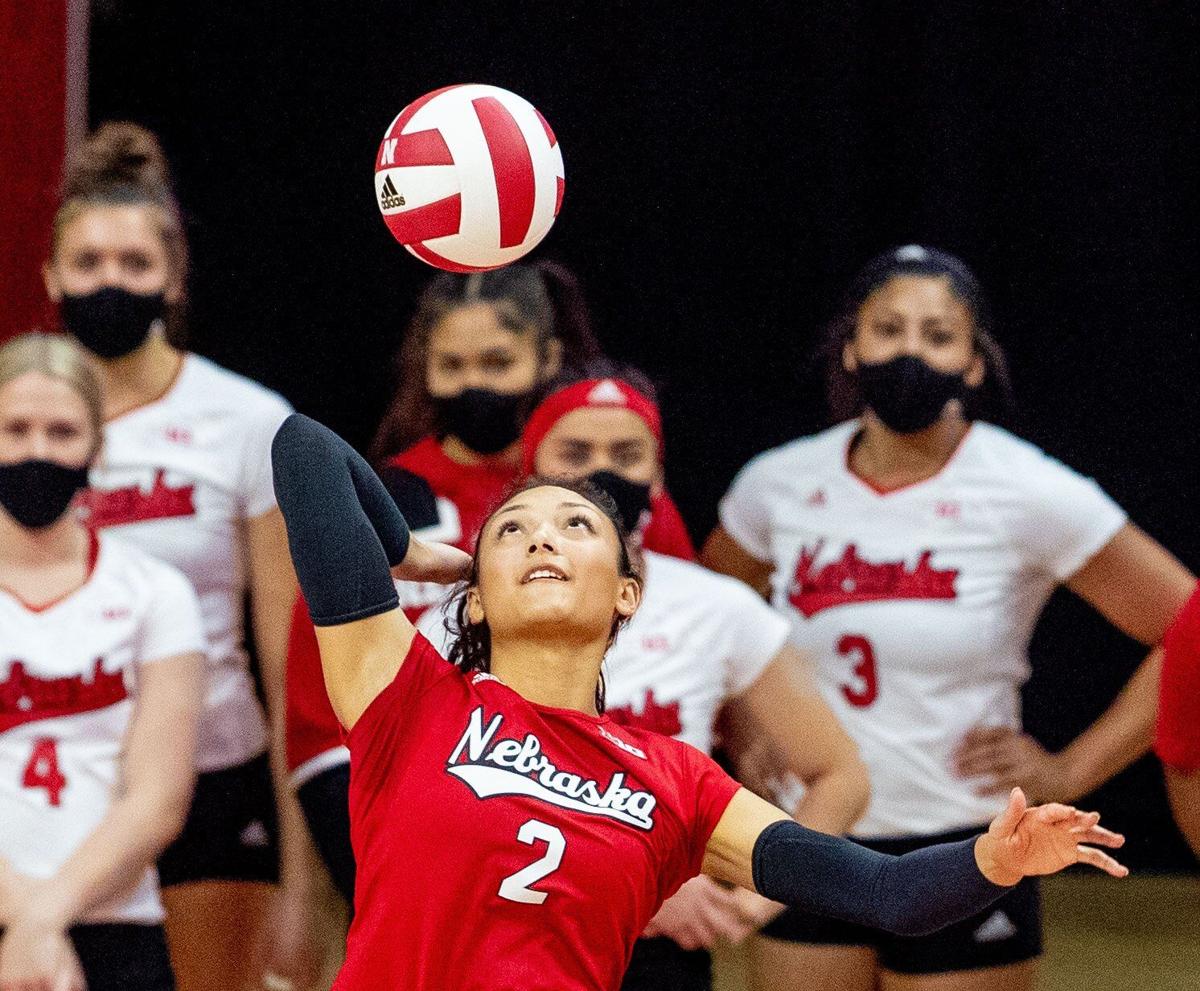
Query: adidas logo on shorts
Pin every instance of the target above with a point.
(254, 835)
(389, 199)
(996, 927)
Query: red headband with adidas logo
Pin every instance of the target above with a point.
(589, 394)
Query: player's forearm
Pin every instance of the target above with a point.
(836, 799)
(113, 858)
(1121, 735)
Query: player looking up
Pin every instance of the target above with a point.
(914, 546)
(100, 680)
(491, 796)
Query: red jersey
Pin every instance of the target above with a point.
(510, 846)
(441, 500)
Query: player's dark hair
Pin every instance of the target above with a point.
(542, 298)
(122, 164)
(993, 400)
(470, 647)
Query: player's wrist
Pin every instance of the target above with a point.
(991, 864)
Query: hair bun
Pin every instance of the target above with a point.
(118, 153)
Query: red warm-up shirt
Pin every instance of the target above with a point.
(509, 846)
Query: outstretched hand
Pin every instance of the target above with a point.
(1024, 841)
(432, 562)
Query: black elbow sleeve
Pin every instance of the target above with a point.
(912, 895)
(344, 531)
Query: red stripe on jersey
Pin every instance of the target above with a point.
(424, 223)
(513, 167)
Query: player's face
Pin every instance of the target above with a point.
(591, 440)
(549, 567)
(916, 315)
(111, 246)
(44, 419)
(469, 348)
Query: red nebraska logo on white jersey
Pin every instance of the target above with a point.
(518, 767)
(26, 698)
(655, 716)
(852, 579)
(132, 505)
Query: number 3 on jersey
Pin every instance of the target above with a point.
(42, 770)
(865, 689)
(515, 887)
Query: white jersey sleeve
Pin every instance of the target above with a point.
(1067, 518)
(173, 625)
(745, 511)
(255, 486)
(753, 633)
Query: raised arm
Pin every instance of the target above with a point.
(757, 846)
(347, 539)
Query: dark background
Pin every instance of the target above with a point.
(727, 171)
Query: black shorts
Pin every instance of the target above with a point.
(661, 964)
(122, 957)
(1007, 932)
(232, 829)
(325, 800)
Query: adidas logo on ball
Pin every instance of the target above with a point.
(389, 199)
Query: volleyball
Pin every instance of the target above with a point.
(469, 177)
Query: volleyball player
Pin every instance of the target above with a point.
(100, 675)
(914, 546)
(509, 835)
(184, 475)
(477, 351)
(697, 641)
(1177, 741)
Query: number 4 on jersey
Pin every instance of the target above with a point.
(42, 770)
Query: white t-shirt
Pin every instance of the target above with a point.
(918, 605)
(697, 639)
(179, 477)
(68, 685)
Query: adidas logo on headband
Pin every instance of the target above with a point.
(607, 392)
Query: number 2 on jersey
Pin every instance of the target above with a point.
(515, 887)
(866, 690)
(42, 770)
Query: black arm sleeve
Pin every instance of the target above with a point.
(343, 528)
(912, 895)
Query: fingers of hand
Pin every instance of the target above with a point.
(1100, 859)
(1099, 835)
(1054, 812)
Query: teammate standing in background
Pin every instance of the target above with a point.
(697, 641)
(185, 475)
(100, 684)
(491, 797)
(914, 547)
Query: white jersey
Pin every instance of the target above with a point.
(697, 639)
(179, 477)
(68, 685)
(918, 605)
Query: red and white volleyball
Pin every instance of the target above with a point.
(469, 177)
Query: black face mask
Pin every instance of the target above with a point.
(486, 421)
(111, 322)
(906, 393)
(36, 493)
(632, 498)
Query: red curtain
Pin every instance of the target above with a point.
(43, 48)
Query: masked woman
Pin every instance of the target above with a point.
(914, 546)
(184, 476)
(100, 674)
(491, 798)
(697, 641)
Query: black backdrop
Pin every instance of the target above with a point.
(727, 170)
